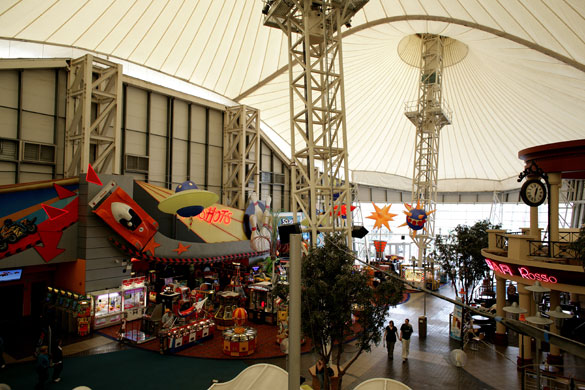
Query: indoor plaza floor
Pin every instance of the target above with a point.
(100, 361)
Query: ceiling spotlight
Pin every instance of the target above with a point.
(348, 24)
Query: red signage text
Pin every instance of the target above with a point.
(524, 272)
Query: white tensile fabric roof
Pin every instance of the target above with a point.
(515, 74)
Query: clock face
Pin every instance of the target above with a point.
(533, 193)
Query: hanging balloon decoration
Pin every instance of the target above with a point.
(416, 217)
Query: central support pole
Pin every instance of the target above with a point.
(319, 173)
(294, 326)
(429, 117)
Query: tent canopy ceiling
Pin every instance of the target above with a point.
(515, 74)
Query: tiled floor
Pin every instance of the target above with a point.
(428, 365)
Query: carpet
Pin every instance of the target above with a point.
(212, 348)
(128, 370)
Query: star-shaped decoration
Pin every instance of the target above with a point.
(182, 248)
(151, 246)
(382, 216)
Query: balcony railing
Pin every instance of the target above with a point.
(501, 242)
(554, 249)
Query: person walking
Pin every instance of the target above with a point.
(390, 336)
(57, 361)
(42, 367)
(405, 333)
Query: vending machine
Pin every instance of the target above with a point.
(134, 296)
(106, 307)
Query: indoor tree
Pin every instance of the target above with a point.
(331, 288)
(459, 255)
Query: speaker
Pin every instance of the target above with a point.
(284, 231)
(359, 231)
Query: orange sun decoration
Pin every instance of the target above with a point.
(382, 216)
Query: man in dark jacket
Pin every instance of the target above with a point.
(57, 361)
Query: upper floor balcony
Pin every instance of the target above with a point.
(524, 246)
(527, 256)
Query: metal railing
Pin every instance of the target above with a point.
(501, 242)
(554, 249)
(550, 381)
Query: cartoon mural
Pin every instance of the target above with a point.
(35, 215)
(213, 233)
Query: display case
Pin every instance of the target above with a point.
(134, 297)
(106, 308)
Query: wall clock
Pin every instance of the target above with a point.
(533, 192)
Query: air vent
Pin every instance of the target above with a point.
(8, 149)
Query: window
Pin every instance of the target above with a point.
(136, 163)
(34, 152)
(265, 177)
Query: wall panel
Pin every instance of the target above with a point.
(198, 164)
(157, 160)
(38, 127)
(158, 114)
(136, 143)
(179, 154)
(38, 91)
(215, 166)
(215, 128)
(197, 123)
(136, 108)
(180, 120)
(9, 88)
(8, 121)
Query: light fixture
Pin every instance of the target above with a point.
(514, 309)
(537, 292)
(558, 317)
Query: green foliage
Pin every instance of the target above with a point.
(459, 254)
(332, 288)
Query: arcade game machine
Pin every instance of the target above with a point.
(262, 307)
(134, 295)
(228, 302)
(107, 308)
(72, 312)
(152, 315)
(83, 316)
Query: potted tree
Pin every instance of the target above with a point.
(331, 287)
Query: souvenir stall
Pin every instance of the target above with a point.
(106, 308)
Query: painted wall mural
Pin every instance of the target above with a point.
(34, 217)
(153, 223)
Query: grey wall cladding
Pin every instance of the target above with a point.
(104, 262)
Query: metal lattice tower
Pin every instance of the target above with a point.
(94, 116)
(497, 209)
(241, 155)
(429, 115)
(319, 172)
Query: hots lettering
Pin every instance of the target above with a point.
(213, 215)
(523, 271)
